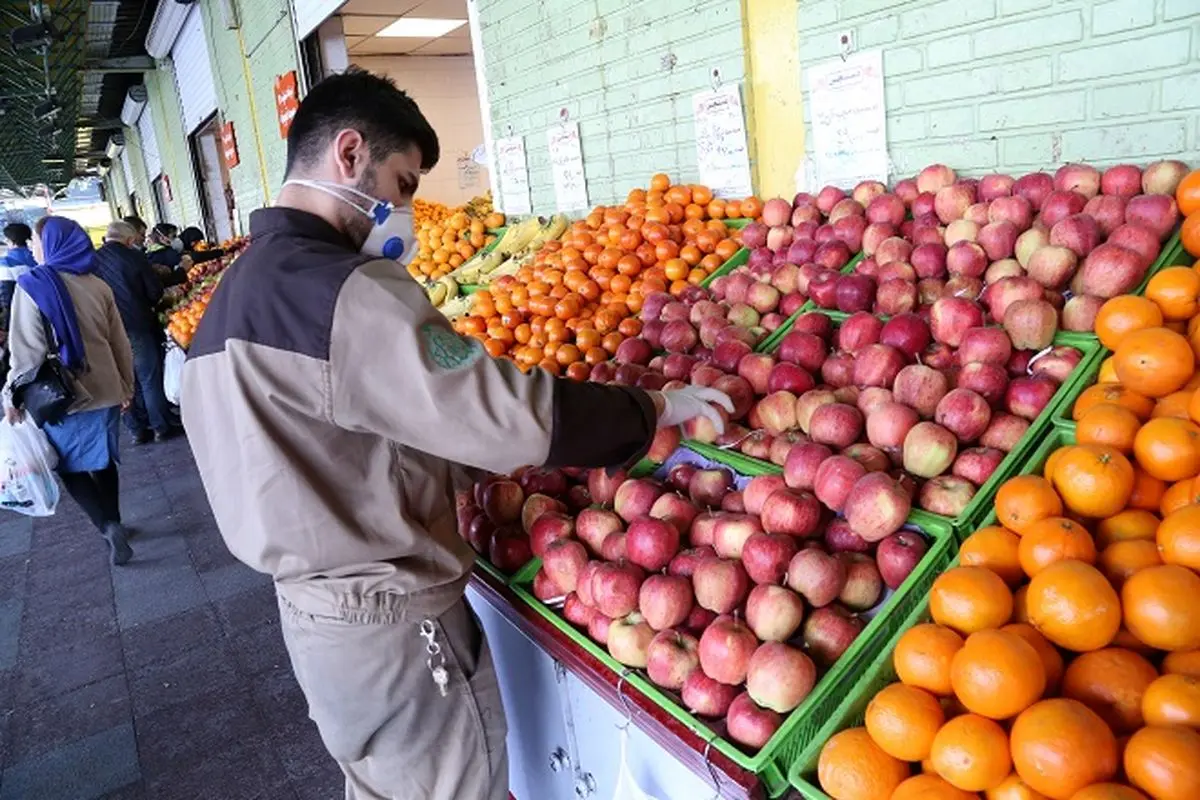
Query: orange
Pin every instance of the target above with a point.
(1187, 194)
(1094, 480)
(852, 767)
(1147, 490)
(970, 599)
(929, 787)
(1182, 662)
(1054, 539)
(997, 674)
(1108, 791)
(1052, 460)
(1178, 495)
(1175, 404)
(1025, 499)
(1108, 372)
(1194, 406)
(1176, 290)
(1129, 525)
(1169, 448)
(1189, 234)
(993, 548)
(902, 720)
(1161, 606)
(1179, 537)
(1112, 393)
(1164, 762)
(1021, 604)
(1013, 788)
(1060, 746)
(1120, 560)
(1154, 361)
(971, 753)
(1110, 682)
(1052, 660)
(923, 657)
(1172, 700)
(1123, 315)
(1110, 424)
(1074, 606)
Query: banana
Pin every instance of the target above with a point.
(437, 293)
(451, 286)
(457, 307)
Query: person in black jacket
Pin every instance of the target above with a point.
(138, 290)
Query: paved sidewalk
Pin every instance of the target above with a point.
(165, 679)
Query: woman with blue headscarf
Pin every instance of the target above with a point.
(89, 339)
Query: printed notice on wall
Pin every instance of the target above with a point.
(721, 151)
(566, 165)
(468, 172)
(848, 120)
(513, 174)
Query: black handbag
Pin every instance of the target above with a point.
(50, 393)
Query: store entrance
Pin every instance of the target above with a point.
(213, 177)
(161, 201)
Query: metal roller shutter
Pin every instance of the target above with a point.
(150, 157)
(127, 171)
(193, 72)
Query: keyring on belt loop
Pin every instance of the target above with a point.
(712, 772)
(624, 701)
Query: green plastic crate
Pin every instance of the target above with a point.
(736, 260)
(880, 672)
(773, 762)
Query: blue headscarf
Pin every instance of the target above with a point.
(65, 248)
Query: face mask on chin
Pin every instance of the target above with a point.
(391, 233)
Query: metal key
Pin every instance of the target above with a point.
(441, 677)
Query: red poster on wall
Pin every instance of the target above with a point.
(287, 101)
(229, 145)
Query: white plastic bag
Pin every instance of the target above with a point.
(627, 788)
(173, 374)
(27, 461)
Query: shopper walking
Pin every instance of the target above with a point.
(16, 262)
(137, 292)
(63, 305)
(352, 406)
(139, 227)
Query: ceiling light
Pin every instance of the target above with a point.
(420, 28)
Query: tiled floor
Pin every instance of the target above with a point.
(165, 679)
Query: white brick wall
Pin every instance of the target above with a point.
(625, 71)
(1018, 85)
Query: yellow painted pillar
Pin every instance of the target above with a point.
(258, 143)
(774, 110)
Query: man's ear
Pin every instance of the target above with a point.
(350, 156)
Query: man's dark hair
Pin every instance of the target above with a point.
(387, 118)
(165, 229)
(18, 233)
(190, 237)
(138, 223)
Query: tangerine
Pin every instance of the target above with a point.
(1178, 537)
(1111, 682)
(1108, 791)
(1161, 607)
(1112, 393)
(1154, 361)
(1013, 788)
(1120, 560)
(995, 548)
(997, 674)
(1168, 448)
(1123, 315)
(1025, 499)
(1165, 762)
(1074, 606)
(1054, 539)
(1182, 662)
(1147, 490)
(1108, 424)
(1172, 700)
(1052, 660)
(903, 721)
(929, 787)
(1094, 480)
(1132, 524)
(1176, 290)
(852, 767)
(972, 753)
(923, 657)
(1060, 746)
(1175, 404)
(970, 599)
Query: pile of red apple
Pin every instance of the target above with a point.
(1066, 242)
(736, 600)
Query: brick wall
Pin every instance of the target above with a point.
(265, 48)
(625, 71)
(1019, 85)
(163, 102)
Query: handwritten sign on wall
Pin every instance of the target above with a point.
(722, 154)
(849, 119)
(566, 166)
(513, 173)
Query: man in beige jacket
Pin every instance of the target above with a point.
(331, 409)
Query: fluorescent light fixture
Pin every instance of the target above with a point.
(420, 28)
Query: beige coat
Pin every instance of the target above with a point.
(108, 380)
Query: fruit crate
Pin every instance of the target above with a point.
(880, 672)
(1172, 255)
(736, 260)
(1083, 374)
(773, 762)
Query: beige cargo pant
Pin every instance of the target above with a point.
(363, 668)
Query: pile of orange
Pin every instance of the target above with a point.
(1187, 196)
(1063, 656)
(574, 304)
(182, 321)
(447, 237)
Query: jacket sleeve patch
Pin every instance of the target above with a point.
(447, 350)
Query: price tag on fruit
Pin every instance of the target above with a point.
(566, 165)
(848, 119)
(721, 151)
(513, 172)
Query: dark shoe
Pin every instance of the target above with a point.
(145, 437)
(167, 435)
(116, 537)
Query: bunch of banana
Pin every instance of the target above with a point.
(442, 290)
(457, 307)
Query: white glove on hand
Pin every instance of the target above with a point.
(680, 405)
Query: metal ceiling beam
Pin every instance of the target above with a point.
(121, 65)
(100, 124)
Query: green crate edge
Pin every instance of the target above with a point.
(736, 260)
(772, 763)
(880, 672)
(1088, 365)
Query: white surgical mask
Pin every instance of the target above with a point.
(391, 234)
(177, 244)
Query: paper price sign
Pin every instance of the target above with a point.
(722, 155)
(566, 165)
(513, 173)
(848, 120)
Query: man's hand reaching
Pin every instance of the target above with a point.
(680, 405)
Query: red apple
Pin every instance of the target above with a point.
(934, 177)
(1057, 363)
(577, 612)
(629, 640)
(816, 576)
(549, 528)
(964, 413)
(704, 528)
(774, 613)
(1080, 178)
(1080, 312)
(951, 317)
(878, 365)
(671, 658)
(877, 506)
(651, 543)
(790, 512)
(725, 650)
(977, 464)
(502, 501)
(1108, 271)
(1162, 177)
(929, 450)
(544, 587)
(674, 509)
(706, 697)
(613, 547)
(961, 230)
(731, 534)
(779, 677)
(734, 503)
(564, 560)
(758, 489)
(509, 550)
(898, 555)
(721, 585)
(800, 471)
(858, 331)
(766, 556)
(889, 424)
(872, 458)
(1157, 212)
(593, 525)
(1139, 239)
(615, 588)
(807, 404)
(967, 259)
(598, 627)
(836, 424)
(1059, 205)
(708, 486)
(947, 495)
(1005, 432)
(835, 478)
(864, 584)
(893, 248)
(479, 534)
(685, 561)
(1035, 188)
(537, 505)
(920, 387)
(665, 600)
(603, 487)
(1027, 397)
(829, 632)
